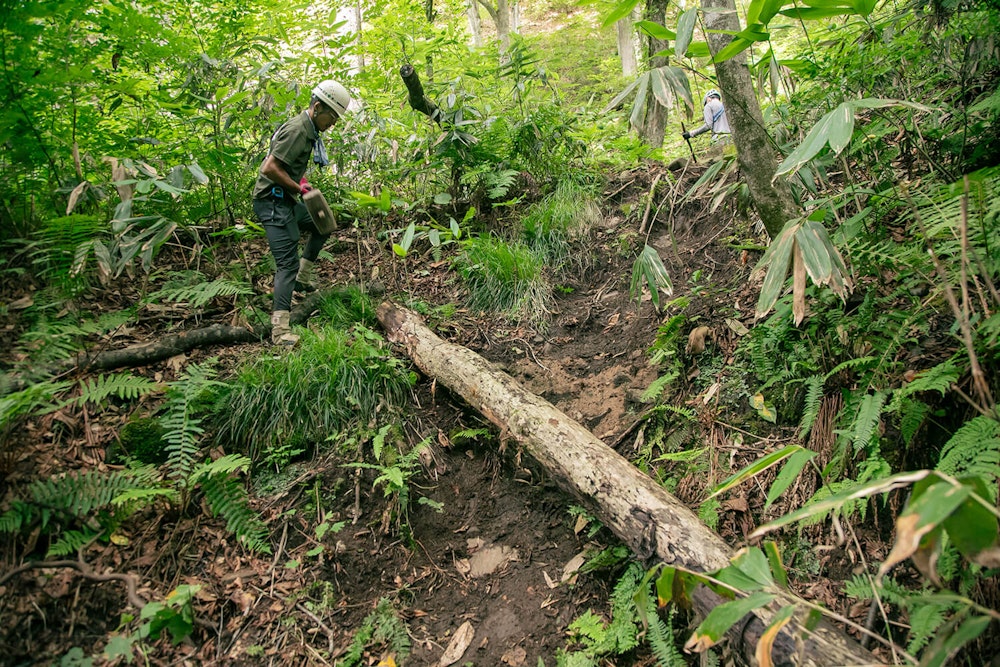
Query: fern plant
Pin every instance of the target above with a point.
(201, 294)
(78, 508)
(382, 629)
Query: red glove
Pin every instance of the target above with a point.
(304, 186)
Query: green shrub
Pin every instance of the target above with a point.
(332, 381)
(506, 278)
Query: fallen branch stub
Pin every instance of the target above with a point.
(652, 522)
(416, 97)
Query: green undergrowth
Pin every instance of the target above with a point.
(505, 277)
(278, 406)
(552, 225)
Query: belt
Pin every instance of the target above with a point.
(277, 193)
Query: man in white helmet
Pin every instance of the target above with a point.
(277, 203)
(715, 118)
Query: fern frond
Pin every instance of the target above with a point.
(939, 379)
(912, 416)
(224, 465)
(182, 430)
(974, 449)
(121, 385)
(862, 363)
(37, 397)
(925, 619)
(813, 400)
(661, 638)
(867, 420)
(227, 498)
(657, 386)
(203, 293)
(71, 541)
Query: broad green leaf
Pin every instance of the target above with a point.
(752, 564)
(864, 7)
(661, 89)
(685, 29)
(778, 571)
(815, 257)
(733, 48)
(796, 462)
(837, 500)
(947, 643)
(620, 11)
(721, 618)
(655, 30)
(817, 138)
(814, 14)
(665, 586)
(638, 107)
(971, 527)
(698, 50)
(757, 467)
(620, 97)
(197, 172)
(778, 256)
(936, 501)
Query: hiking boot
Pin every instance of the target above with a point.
(281, 329)
(304, 279)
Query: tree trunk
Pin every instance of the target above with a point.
(515, 17)
(475, 24)
(654, 124)
(503, 25)
(640, 512)
(754, 148)
(627, 46)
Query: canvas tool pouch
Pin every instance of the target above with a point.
(320, 211)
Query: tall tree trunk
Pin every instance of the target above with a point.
(475, 24)
(754, 149)
(503, 25)
(627, 41)
(654, 123)
(515, 17)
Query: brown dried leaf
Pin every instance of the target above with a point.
(458, 645)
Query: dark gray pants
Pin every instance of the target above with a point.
(282, 222)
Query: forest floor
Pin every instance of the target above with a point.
(503, 552)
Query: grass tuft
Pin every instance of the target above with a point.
(335, 380)
(346, 307)
(506, 278)
(560, 218)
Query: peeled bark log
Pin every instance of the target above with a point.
(652, 522)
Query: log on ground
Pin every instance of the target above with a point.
(159, 349)
(652, 522)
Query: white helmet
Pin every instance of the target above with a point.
(710, 94)
(333, 95)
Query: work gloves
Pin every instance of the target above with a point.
(304, 186)
(686, 135)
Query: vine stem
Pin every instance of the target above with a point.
(87, 572)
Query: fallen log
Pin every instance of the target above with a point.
(652, 522)
(157, 350)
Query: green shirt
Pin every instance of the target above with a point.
(292, 145)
